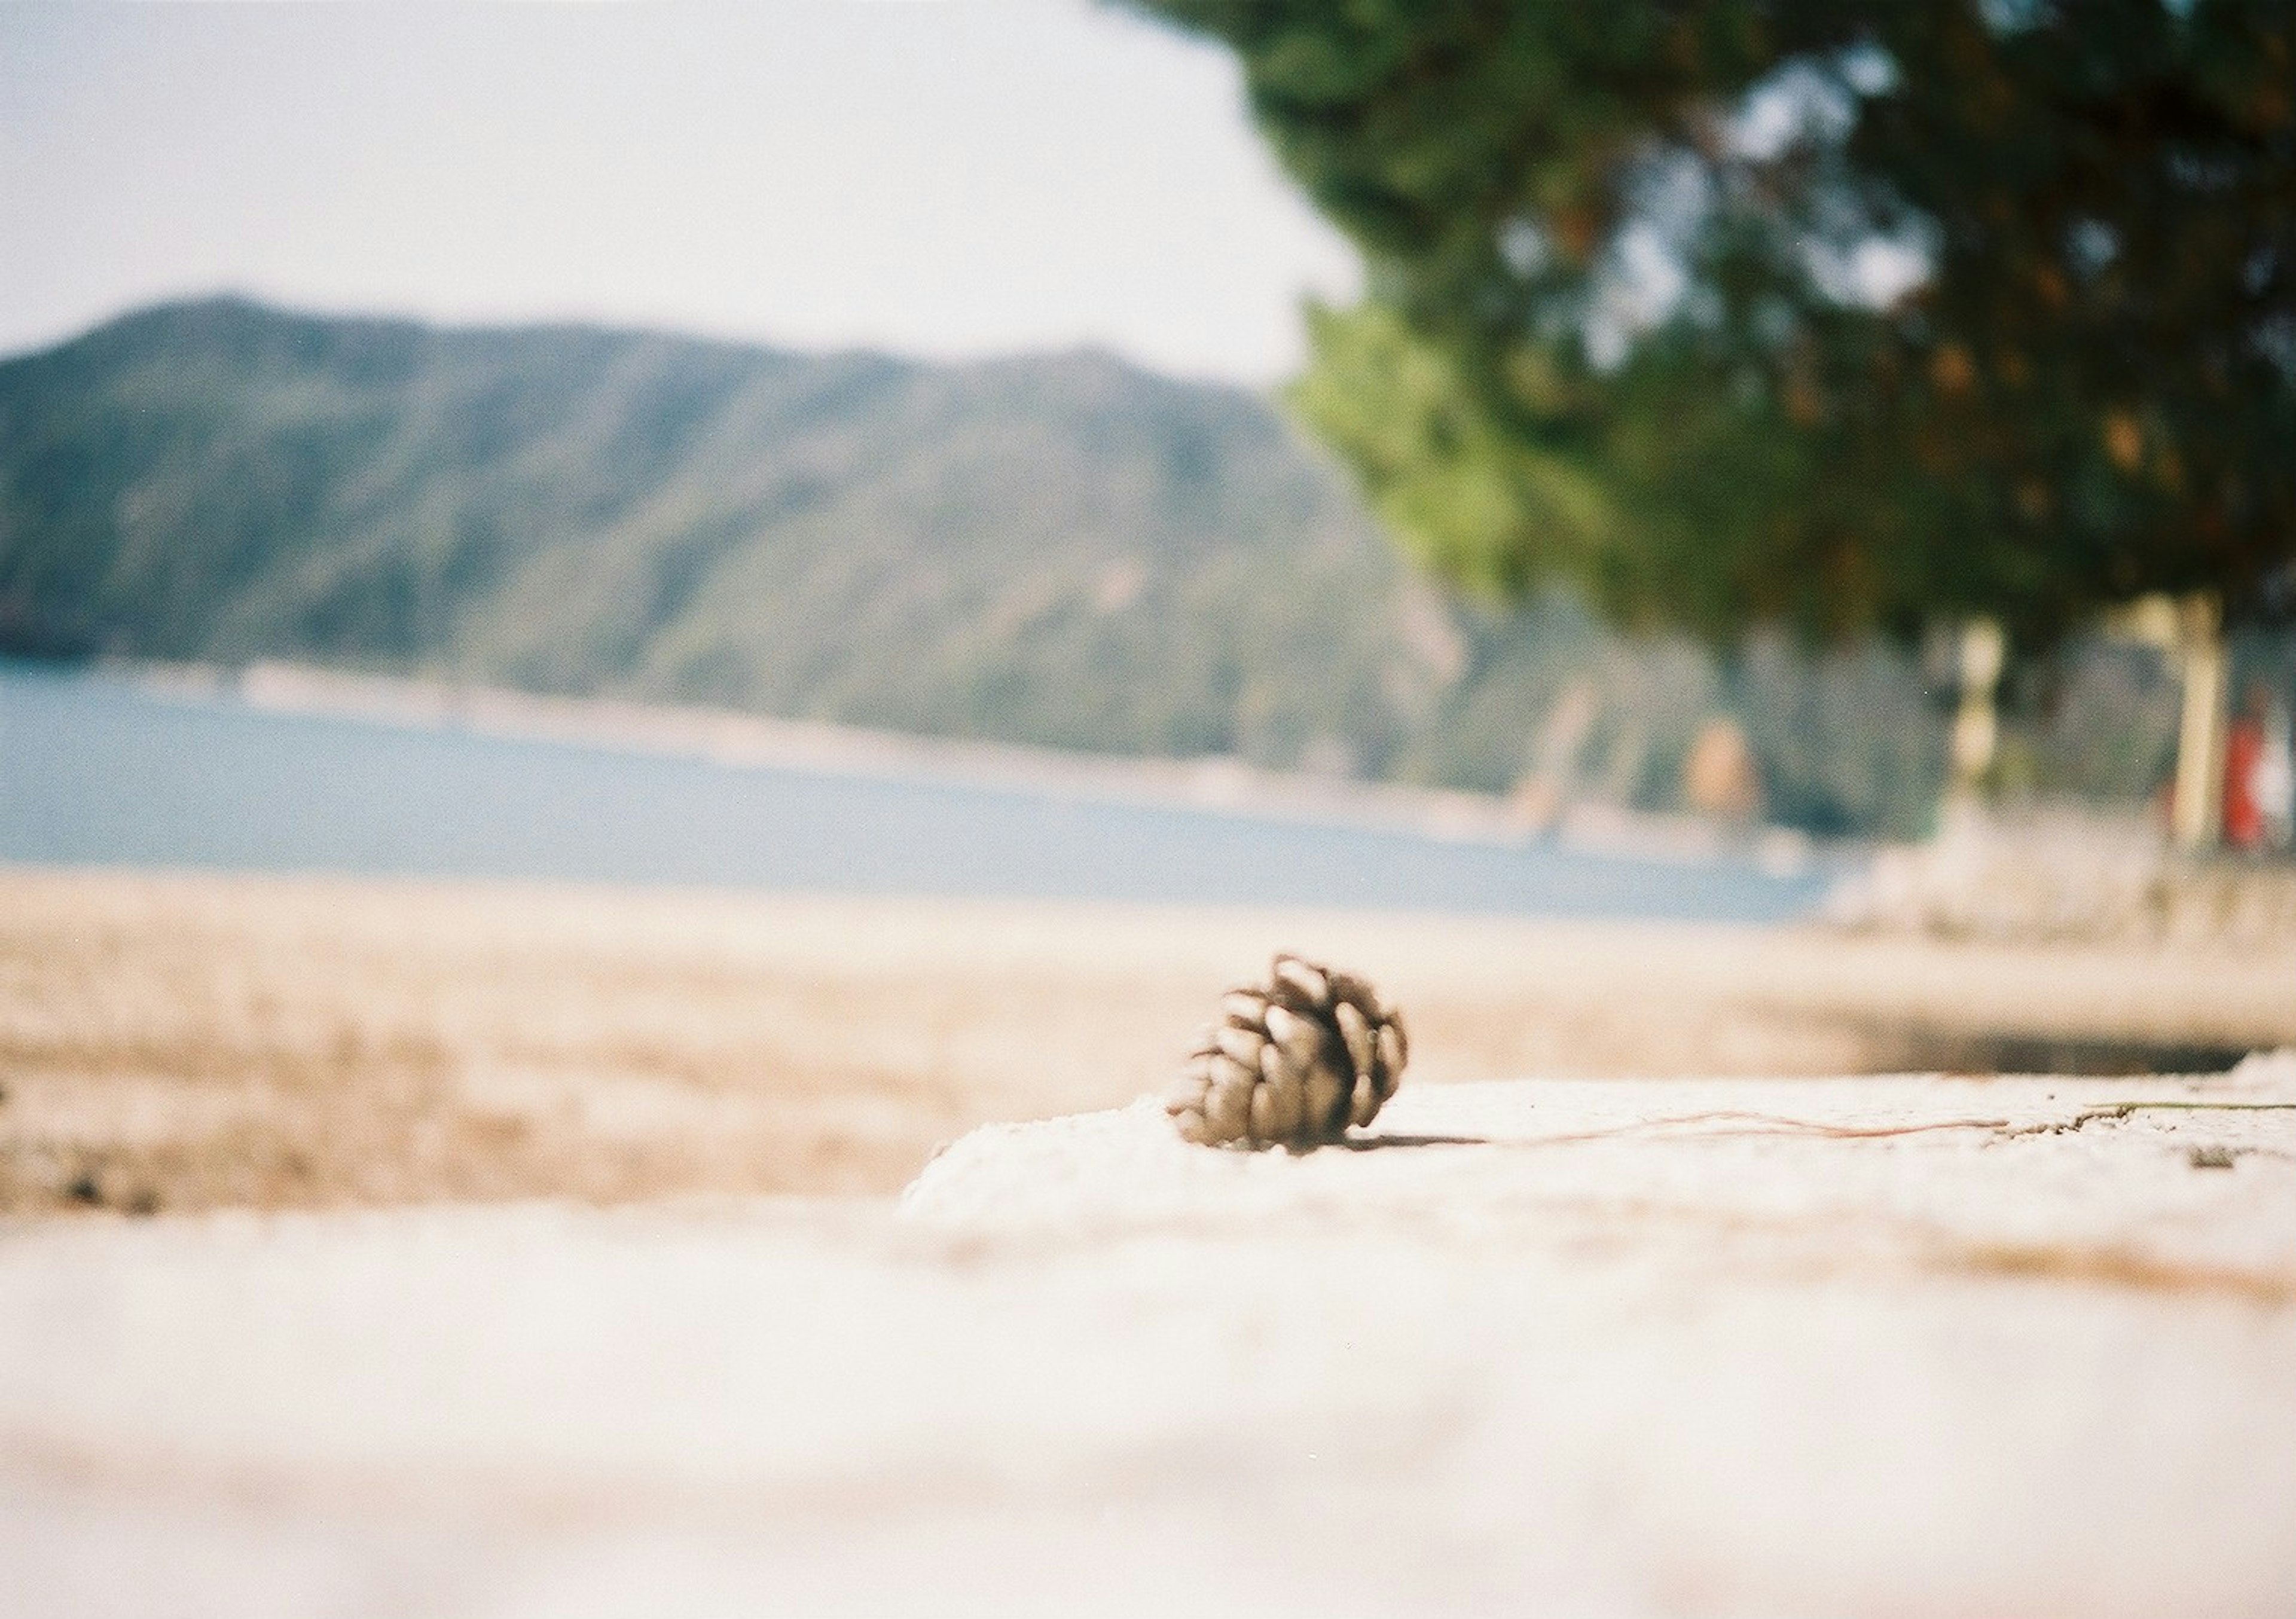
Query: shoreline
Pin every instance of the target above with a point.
(741, 740)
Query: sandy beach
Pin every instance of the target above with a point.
(187, 1041)
(390, 1249)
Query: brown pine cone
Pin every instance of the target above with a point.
(1292, 1062)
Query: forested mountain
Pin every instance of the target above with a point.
(1060, 549)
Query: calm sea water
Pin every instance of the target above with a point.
(97, 769)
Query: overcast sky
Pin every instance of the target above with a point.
(948, 179)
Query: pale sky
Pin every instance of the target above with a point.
(951, 179)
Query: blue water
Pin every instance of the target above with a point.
(96, 769)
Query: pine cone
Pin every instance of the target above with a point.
(1293, 1063)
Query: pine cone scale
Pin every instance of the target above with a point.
(1355, 1030)
(1393, 1053)
(1228, 1100)
(1243, 1044)
(1286, 1106)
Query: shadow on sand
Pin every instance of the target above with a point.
(1371, 1144)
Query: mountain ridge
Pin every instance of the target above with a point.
(1062, 550)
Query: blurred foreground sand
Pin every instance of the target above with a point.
(1910, 1348)
(183, 1041)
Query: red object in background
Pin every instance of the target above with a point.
(2243, 816)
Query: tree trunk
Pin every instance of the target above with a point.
(1977, 724)
(2197, 817)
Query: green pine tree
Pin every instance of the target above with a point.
(1833, 313)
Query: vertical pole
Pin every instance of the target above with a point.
(1976, 724)
(2198, 814)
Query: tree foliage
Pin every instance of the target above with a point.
(1829, 313)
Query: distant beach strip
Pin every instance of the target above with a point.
(281, 767)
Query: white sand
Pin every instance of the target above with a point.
(1653, 1347)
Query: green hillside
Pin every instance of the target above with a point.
(1060, 549)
